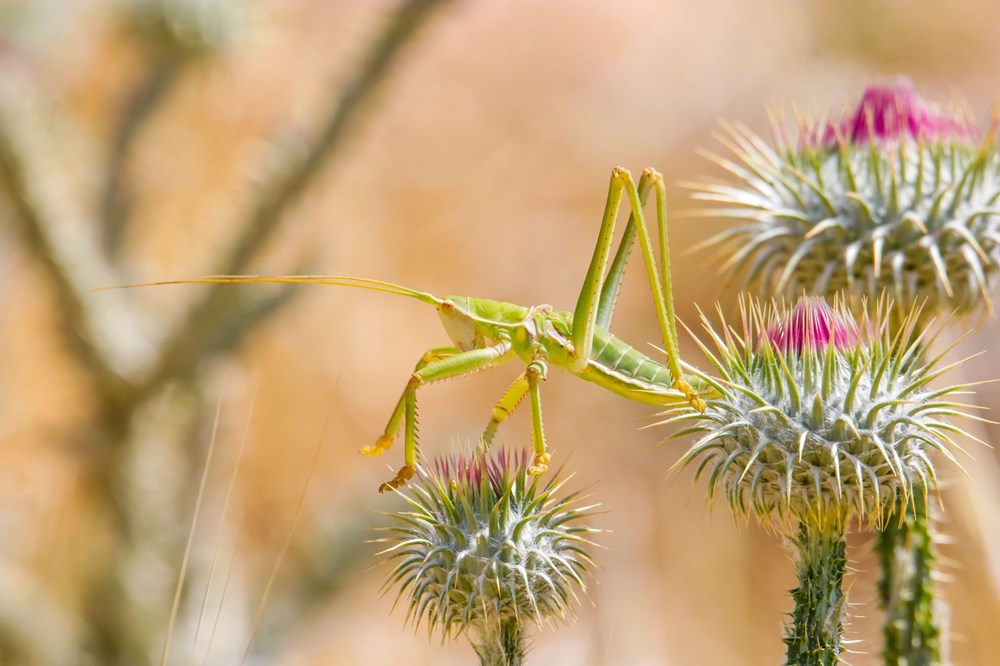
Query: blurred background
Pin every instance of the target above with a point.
(453, 147)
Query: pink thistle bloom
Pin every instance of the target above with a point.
(470, 469)
(819, 417)
(812, 325)
(483, 548)
(889, 113)
(893, 194)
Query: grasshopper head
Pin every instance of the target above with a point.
(459, 323)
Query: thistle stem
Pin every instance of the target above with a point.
(815, 635)
(501, 644)
(912, 630)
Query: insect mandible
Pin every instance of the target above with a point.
(486, 333)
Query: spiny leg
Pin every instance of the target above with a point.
(385, 440)
(585, 313)
(592, 297)
(504, 408)
(445, 368)
(668, 318)
(536, 372)
(612, 285)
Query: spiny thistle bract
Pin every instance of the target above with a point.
(817, 418)
(485, 544)
(898, 197)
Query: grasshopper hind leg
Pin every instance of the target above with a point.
(404, 474)
(596, 303)
(693, 397)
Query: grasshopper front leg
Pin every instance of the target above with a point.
(385, 440)
(444, 368)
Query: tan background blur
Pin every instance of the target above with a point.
(481, 170)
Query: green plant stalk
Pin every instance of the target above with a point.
(905, 549)
(815, 636)
(502, 644)
(907, 594)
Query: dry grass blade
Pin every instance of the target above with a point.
(190, 539)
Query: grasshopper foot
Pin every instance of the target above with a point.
(539, 464)
(404, 474)
(692, 396)
(378, 448)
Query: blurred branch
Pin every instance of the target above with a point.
(385, 51)
(182, 349)
(327, 563)
(136, 468)
(34, 627)
(116, 202)
(235, 318)
(60, 241)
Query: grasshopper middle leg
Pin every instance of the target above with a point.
(526, 384)
(504, 408)
(535, 373)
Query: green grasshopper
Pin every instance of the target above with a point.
(487, 333)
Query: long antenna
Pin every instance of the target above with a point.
(334, 280)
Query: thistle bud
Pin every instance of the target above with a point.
(897, 196)
(816, 419)
(485, 547)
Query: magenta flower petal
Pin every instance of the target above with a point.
(888, 113)
(812, 325)
(469, 469)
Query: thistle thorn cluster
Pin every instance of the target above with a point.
(486, 546)
(818, 419)
(898, 196)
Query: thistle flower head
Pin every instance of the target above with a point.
(898, 195)
(818, 419)
(485, 543)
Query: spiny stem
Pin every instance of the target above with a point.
(502, 644)
(815, 636)
(906, 553)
